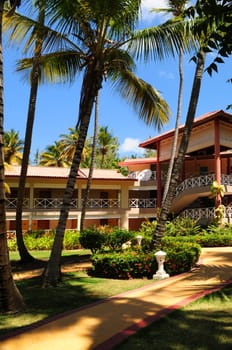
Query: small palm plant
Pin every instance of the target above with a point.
(218, 191)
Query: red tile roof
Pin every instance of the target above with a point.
(53, 172)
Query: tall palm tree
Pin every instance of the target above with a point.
(92, 163)
(10, 298)
(96, 38)
(177, 9)
(163, 216)
(211, 33)
(34, 78)
(13, 147)
(101, 30)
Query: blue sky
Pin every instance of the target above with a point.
(57, 106)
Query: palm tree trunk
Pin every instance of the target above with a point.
(10, 297)
(182, 150)
(91, 84)
(175, 139)
(35, 74)
(92, 164)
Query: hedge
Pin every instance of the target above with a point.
(138, 264)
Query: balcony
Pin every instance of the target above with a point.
(92, 203)
(202, 181)
(142, 203)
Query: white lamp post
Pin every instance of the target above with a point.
(139, 239)
(160, 258)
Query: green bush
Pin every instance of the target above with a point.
(91, 238)
(147, 231)
(181, 257)
(43, 240)
(182, 227)
(12, 244)
(71, 240)
(204, 239)
(124, 265)
(118, 237)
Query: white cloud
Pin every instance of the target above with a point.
(131, 146)
(147, 5)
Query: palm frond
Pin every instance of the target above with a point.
(164, 40)
(146, 100)
(57, 67)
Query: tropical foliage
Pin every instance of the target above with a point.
(13, 147)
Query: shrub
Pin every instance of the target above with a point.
(43, 240)
(39, 243)
(12, 244)
(119, 236)
(182, 227)
(181, 256)
(72, 239)
(92, 239)
(147, 231)
(204, 239)
(124, 265)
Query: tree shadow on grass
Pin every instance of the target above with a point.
(205, 324)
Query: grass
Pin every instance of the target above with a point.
(76, 289)
(205, 324)
(44, 254)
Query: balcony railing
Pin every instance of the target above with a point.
(206, 213)
(192, 182)
(92, 203)
(11, 203)
(52, 203)
(102, 203)
(198, 213)
(142, 203)
(201, 181)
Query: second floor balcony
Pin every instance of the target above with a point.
(92, 203)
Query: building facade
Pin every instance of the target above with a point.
(126, 201)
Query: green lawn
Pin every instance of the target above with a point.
(205, 324)
(77, 289)
(44, 254)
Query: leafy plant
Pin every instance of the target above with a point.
(91, 238)
(182, 227)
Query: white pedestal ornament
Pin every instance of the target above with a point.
(160, 273)
(139, 239)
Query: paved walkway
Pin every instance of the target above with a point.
(102, 325)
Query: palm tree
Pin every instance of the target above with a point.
(54, 156)
(163, 215)
(212, 34)
(106, 143)
(101, 30)
(177, 8)
(10, 298)
(68, 143)
(34, 79)
(13, 147)
(96, 38)
(92, 163)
